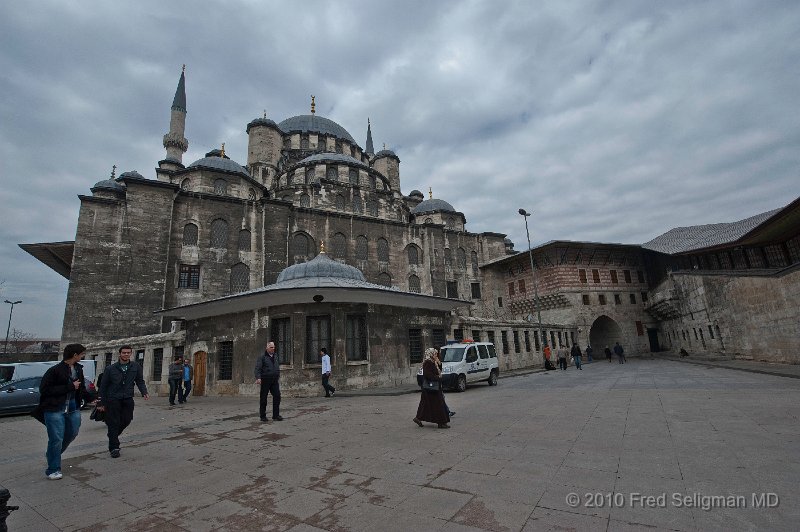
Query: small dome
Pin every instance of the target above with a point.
(262, 122)
(333, 157)
(416, 194)
(386, 153)
(133, 174)
(213, 161)
(109, 184)
(432, 205)
(316, 124)
(320, 266)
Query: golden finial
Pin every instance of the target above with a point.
(430, 193)
(183, 70)
(322, 246)
(113, 171)
(222, 150)
(313, 105)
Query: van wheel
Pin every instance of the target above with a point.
(493, 378)
(461, 385)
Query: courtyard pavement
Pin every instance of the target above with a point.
(649, 445)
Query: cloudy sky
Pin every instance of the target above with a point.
(611, 121)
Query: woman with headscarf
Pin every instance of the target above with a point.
(431, 402)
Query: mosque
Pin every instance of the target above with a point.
(312, 243)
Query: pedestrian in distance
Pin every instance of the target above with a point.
(175, 380)
(60, 392)
(116, 396)
(619, 352)
(608, 354)
(562, 357)
(326, 372)
(576, 356)
(589, 352)
(188, 375)
(268, 374)
(548, 365)
(431, 402)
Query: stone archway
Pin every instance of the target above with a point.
(604, 332)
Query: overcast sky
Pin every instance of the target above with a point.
(611, 121)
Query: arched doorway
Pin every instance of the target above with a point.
(199, 384)
(604, 332)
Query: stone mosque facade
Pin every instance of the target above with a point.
(312, 243)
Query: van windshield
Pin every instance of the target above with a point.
(452, 354)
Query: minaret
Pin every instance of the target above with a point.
(369, 149)
(174, 141)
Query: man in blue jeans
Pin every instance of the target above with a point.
(188, 373)
(60, 395)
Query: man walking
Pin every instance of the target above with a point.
(188, 374)
(176, 380)
(562, 357)
(576, 355)
(60, 395)
(268, 373)
(116, 395)
(619, 352)
(326, 372)
(589, 352)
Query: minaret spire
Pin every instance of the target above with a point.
(174, 141)
(369, 149)
(313, 105)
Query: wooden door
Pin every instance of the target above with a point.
(199, 384)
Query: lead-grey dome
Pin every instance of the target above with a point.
(109, 184)
(261, 122)
(215, 162)
(320, 266)
(333, 157)
(386, 153)
(416, 193)
(432, 205)
(316, 124)
(133, 174)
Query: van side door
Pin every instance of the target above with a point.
(473, 364)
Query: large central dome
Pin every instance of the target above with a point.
(315, 124)
(320, 266)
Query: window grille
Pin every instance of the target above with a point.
(300, 247)
(309, 176)
(413, 284)
(462, 258)
(244, 240)
(384, 279)
(189, 276)
(220, 187)
(413, 255)
(438, 338)
(353, 176)
(281, 335)
(415, 346)
(339, 203)
(358, 205)
(362, 249)
(190, 235)
(452, 289)
(356, 344)
(332, 174)
(516, 341)
(240, 278)
(305, 200)
(383, 250)
(219, 233)
(318, 335)
(504, 336)
(185, 184)
(474, 261)
(448, 257)
(476, 290)
(158, 362)
(372, 207)
(225, 360)
(527, 341)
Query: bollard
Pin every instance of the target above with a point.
(5, 510)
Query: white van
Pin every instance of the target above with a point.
(24, 370)
(467, 362)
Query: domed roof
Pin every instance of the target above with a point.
(320, 266)
(215, 162)
(109, 184)
(386, 153)
(335, 157)
(261, 122)
(416, 193)
(317, 124)
(431, 205)
(133, 174)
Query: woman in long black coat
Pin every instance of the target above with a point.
(431, 404)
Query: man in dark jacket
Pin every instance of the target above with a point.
(60, 396)
(176, 380)
(619, 352)
(116, 395)
(188, 374)
(576, 356)
(268, 373)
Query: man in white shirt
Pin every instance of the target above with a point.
(326, 372)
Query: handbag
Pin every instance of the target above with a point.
(97, 415)
(431, 386)
(38, 414)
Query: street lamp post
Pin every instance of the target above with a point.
(12, 303)
(525, 215)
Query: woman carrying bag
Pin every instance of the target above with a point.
(431, 401)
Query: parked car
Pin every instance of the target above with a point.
(465, 363)
(15, 371)
(19, 396)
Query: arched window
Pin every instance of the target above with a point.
(300, 247)
(474, 262)
(413, 255)
(305, 200)
(219, 233)
(189, 235)
(462, 258)
(384, 279)
(362, 248)
(372, 207)
(338, 146)
(413, 284)
(220, 187)
(383, 250)
(251, 194)
(304, 142)
(448, 257)
(185, 184)
(340, 203)
(428, 221)
(353, 174)
(339, 247)
(309, 175)
(240, 278)
(358, 205)
(332, 174)
(244, 240)
(321, 144)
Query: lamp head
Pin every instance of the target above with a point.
(523, 212)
